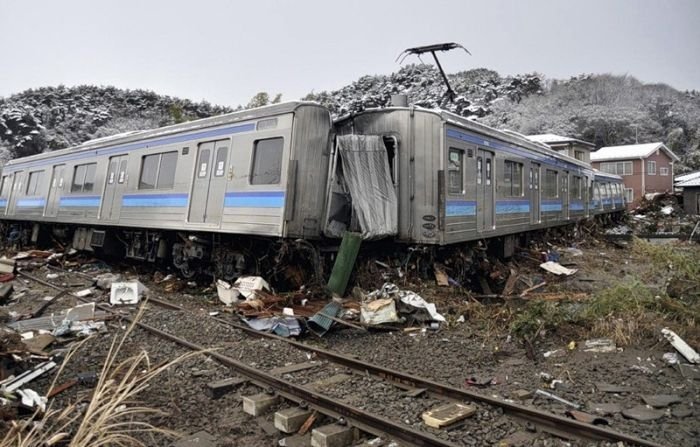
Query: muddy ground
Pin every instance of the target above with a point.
(492, 344)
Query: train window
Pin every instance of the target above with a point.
(166, 170)
(203, 164)
(455, 168)
(513, 178)
(149, 171)
(83, 178)
(576, 187)
(488, 171)
(220, 165)
(266, 168)
(122, 171)
(4, 186)
(157, 170)
(479, 170)
(89, 182)
(551, 180)
(111, 178)
(34, 182)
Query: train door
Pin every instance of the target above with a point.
(209, 185)
(14, 192)
(484, 191)
(8, 182)
(535, 194)
(115, 185)
(565, 195)
(55, 188)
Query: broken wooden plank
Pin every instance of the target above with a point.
(447, 414)
(222, 387)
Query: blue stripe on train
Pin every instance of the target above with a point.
(576, 206)
(551, 205)
(460, 208)
(3, 202)
(79, 201)
(31, 203)
(155, 200)
(512, 206)
(254, 199)
(141, 144)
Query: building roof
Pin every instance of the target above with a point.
(552, 139)
(688, 176)
(630, 151)
(690, 182)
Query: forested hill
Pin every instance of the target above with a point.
(604, 109)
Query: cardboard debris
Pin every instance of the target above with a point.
(681, 346)
(557, 269)
(127, 292)
(379, 311)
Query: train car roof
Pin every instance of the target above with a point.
(607, 175)
(508, 137)
(189, 126)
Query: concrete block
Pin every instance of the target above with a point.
(522, 394)
(290, 420)
(258, 404)
(333, 435)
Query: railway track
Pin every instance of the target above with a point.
(370, 422)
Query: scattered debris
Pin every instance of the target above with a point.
(600, 345)
(5, 292)
(681, 346)
(441, 277)
(227, 294)
(7, 265)
(610, 388)
(15, 383)
(248, 285)
(222, 387)
(447, 414)
(83, 293)
(586, 418)
(88, 378)
(105, 280)
(606, 409)
(127, 292)
(557, 398)
(642, 413)
(322, 321)
(32, 399)
(378, 312)
(282, 326)
(557, 269)
(199, 439)
(661, 400)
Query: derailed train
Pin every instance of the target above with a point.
(213, 188)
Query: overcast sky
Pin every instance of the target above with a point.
(226, 51)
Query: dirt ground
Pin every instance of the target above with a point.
(494, 344)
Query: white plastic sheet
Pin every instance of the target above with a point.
(368, 178)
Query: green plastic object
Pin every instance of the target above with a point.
(344, 263)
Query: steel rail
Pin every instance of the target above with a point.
(365, 421)
(551, 423)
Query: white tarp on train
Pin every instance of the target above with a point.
(368, 179)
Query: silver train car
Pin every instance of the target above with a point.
(211, 189)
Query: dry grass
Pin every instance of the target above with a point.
(113, 415)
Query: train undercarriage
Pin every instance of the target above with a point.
(287, 263)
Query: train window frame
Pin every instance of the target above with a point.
(34, 182)
(260, 156)
(576, 188)
(157, 170)
(80, 172)
(551, 188)
(513, 170)
(455, 165)
(3, 189)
